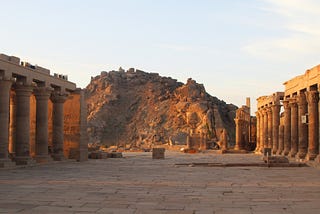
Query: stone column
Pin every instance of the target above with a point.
(313, 129)
(58, 125)
(23, 93)
(238, 145)
(5, 87)
(303, 127)
(12, 128)
(275, 127)
(269, 112)
(287, 128)
(261, 131)
(281, 140)
(294, 127)
(258, 132)
(265, 129)
(42, 97)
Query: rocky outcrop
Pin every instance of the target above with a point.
(143, 109)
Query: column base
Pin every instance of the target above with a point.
(236, 147)
(274, 152)
(24, 161)
(285, 153)
(301, 155)
(279, 152)
(311, 156)
(292, 154)
(317, 159)
(58, 157)
(6, 163)
(43, 158)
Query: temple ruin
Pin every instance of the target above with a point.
(288, 122)
(245, 128)
(42, 117)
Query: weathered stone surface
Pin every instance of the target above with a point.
(158, 153)
(144, 109)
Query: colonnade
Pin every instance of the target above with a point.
(294, 132)
(18, 117)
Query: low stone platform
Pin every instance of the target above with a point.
(138, 184)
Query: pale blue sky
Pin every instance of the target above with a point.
(236, 48)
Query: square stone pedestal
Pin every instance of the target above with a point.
(24, 161)
(158, 153)
(6, 163)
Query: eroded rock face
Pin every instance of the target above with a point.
(143, 109)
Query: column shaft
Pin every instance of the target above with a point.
(5, 87)
(23, 93)
(303, 127)
(58, 126)
(281, 140)
(275, 127)
(42, 97)
(294, 127)
(12, 129)
(269, 112)
(287, 128)
(313, 128)
(261, 131)
(238, 145)
(257, 132)
(265, 129)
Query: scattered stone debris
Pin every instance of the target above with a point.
(104, 155)
(275, 159)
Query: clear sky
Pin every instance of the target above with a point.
(236, 48)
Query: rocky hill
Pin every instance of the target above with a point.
(144, 109)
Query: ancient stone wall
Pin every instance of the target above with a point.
(75, 144)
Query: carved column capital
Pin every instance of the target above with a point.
(269, 111)
(258, 114)
(293, 103)
(285, 104)
(42, 92)
(302, 99)
(312, 96)
(58, 97)
(23, 89)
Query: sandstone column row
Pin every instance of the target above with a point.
(294, 136)
(18, 130)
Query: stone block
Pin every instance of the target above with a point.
(267, 152)
(158, 153)
(275, 159)
(116, 155)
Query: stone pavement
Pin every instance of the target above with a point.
(139, 184)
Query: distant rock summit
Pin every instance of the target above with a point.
(138, 109)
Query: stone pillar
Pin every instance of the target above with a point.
(294, 127)
(5, 87)
(224, 140)
(287, 128)
(265, 129)
(42, 97)
(303, 127)
(23, 93)
(281, 140)
(269, 112)
(275, 127)
(12, 128)
(58, 125)
(313, 129)
(261, 131)
(257, 132)
(238, 145)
